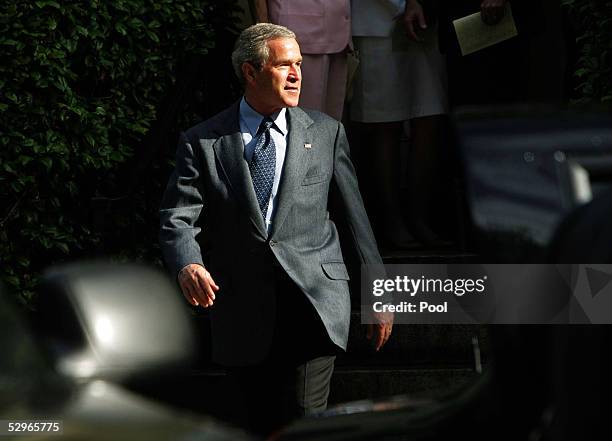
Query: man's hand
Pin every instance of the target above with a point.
(492, 11)
(381, 330)
(197, 285)
(413, 16)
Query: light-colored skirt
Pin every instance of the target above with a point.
(399, 79)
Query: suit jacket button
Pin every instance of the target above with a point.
(272, 243)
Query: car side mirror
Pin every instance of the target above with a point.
(113, 322)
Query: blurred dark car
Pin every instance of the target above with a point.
(101, 325)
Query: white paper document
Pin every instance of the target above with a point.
(473, 34)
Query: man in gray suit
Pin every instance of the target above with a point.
(255, 180)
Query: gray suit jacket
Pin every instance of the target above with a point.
(210, 194)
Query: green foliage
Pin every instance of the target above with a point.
(81, 85)
(593, 21)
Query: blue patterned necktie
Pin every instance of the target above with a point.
(263, 165)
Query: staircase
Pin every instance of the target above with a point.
(421, 361)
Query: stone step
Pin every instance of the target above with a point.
(409, 345)
(358, 383)
(211, 392)
(414, 345)
(438, 255)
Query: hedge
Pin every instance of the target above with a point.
(90, 91)
(92, 95)
(593, 22)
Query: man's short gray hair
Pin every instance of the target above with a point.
(252, 45)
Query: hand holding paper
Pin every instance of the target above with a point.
(492, 11)
(473, 34)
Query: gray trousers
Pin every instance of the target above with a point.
(274, 394)
(294, 379)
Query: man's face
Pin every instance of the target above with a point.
(277, 84)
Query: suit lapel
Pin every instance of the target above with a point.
(229, 150)
(296, 163)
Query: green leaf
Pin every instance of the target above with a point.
(47, 162)
(44, 3)
(23, 261)
(119, 27)
(153, 36)
(7, 167)
(24, 160)
(116, 156)
(76, 101)
(82, 30)
(63, 247)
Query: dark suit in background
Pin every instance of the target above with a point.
(497, 74)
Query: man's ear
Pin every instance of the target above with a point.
(249, 72)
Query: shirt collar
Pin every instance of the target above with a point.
(252, 118)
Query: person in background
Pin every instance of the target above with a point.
(323, 32)
(498, 74)
(398, 80)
